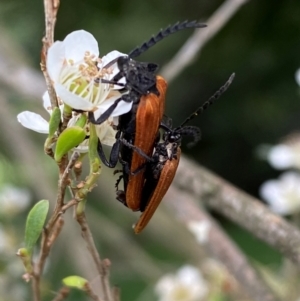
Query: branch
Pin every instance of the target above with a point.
(198, 40)
(219, 245)
(102, 266)
(51, 9)
(240, 207)
(62, 294)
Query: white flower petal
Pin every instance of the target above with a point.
(73, 100)
(106, 133)
(110, 57)
(165, 284)
(283, 195)
(122, 108)
(188, 274)
(55, 60)
(200, 229)
(281, 156)
(78, 43)
(33, 122)
(106, 60)
(187, 285)
(46, 102)
(83, 147)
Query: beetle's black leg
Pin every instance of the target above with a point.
(118, 181)
(138, 150)
(105, 115)
(113, 159)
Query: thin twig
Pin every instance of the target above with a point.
(51, 9)
(35, 285)
(55, 231)
(116, 293)
(198, 40)
(48, 238)
(64, 180)
(220, 246)
(91, 294)
(101, 268)
(62, 294)
(240, 207)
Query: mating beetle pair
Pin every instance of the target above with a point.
(140, 125)
(149, 165)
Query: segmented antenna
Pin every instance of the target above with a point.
(163, 33)
(210, 101)
(192, 131)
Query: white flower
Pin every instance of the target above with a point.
(285, 156)
(75, 69)
(200, 229)
(13, 199)
(187, 285)
(283, 195)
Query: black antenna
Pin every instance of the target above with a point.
(210, 101)
(163, 33)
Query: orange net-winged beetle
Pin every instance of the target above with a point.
(148, 117)
(162, 165)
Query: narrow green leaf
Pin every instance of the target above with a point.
(81, 121)
(54, 121)
(69, 138)
(25, 256)
(75, 281)
(34, 223)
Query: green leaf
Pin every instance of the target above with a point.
(81, 121)
(25, 256)
(75, 281)
(54, 121)
(69, 138)
(34, 223)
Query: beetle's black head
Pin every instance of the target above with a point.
(175, 136)
(123, 62)
(172, 136)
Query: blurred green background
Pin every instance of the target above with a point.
(261, 44)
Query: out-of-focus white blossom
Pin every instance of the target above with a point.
(200, 229)
(186, 285)
(13, 199)
(283, 195)
(283, 156)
